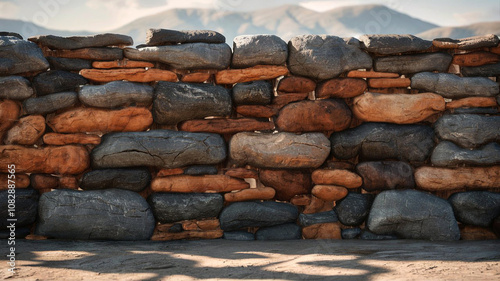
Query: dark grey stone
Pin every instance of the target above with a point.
(256, 92)
(50, 103)
(252, 50)
(487, 70)
(176, 102)
(351, 233)
(158, 37)
(468, 130)
(476, 207)
(101, 54)
(185, 56)
(323, 57)
(475, 110)
(201, 170)
(316, 218)
(18, 57)
(408, 64)
(389, 44)
(448, 154)
(8, 33)
(78, 42)
(69, 64)
(368, 235)
(158, 148)
(15, 88)
(130, 179)
(287, 231)
(19, 233)
(474, 42)
(353, 209)
(26, 205)
(174, 207)
(238, 235)
(453, 87)
(379, 141)
(256, 214)
(176, 228)
(110, 214)
(414, 215)
(383, 175)
(56, 81)
(116, 94)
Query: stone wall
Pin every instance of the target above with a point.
(385, 137)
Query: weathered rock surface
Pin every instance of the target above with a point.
(337, 177)
(174, 207)
(351, 233)
(110, 214)
(254, 73)
(252, 50)
(226, 126)
(408, 64)
(475, 58)
(201, 170)
(122, 64)
(78, 42)
(383, 175)
(256, 214)
(176, 102)
(281, 150)
(130, 179)
(476, 207)
(378, 141)
(162, 148)
(341, 88)
(287, 231)
(468, 43)
(448, 154)
(329, 192)
(206, 183)
(250, 194)
(368, 235)
(389, 83)
(55, 81)
(15, 88)
(129, 74)
(487, 70)
(158, 37)
(18, 56)
(296, 84)
(196, 77)
(8, 33)
(354, 208)
(257, 111)
(22, 181)
(322, 231)
(68, 64)
(287, 183)
(50, 103)
(389, 44)
(238, 235)
(26, 131)
(256, 92)
(476, 110)
(192, 234)
(26, 205)
(64, 139)
(413, 214)
(444, 179)
(470, 232)
(468, 130)
(116, 94)
(323, 57)
(371, 74)
(472, 102)
(317, 218)
(94, 54)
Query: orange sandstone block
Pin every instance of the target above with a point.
(371, 74)
(242, 173)
(389, 83)
(207, 183)
(261, 193)
(20, 181)
(170, 172)
(131, 74)
(337, 177)
(257, 111)
(121, 64)
(226, 126)
(209, 234)
(259, 72)
(475, 59)
(195, 77)
(472, 102)
(329, 192)
(296, 84)
(64, 139)
(27, 131)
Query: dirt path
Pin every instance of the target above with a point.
(258, 260)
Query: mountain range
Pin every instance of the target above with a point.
(285, 21)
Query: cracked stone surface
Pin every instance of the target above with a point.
(252, 50)
(414, 215)
(158, 148)
(388, 44)
(252, 93)
(384, 175)
(156, 37)
(26, 207)
(448, 154)
(116, 94)
(468, 130)
(50, 103)
(110, 214)
(79, 42)
(130, 179)
(476, 207)
(174, 207)
(18, 56)
(407, 64)
(15, 88)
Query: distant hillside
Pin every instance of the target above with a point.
(28, 29)
(482, 28)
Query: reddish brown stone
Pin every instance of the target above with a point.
(242, 173)
(296, 84)
(209, 224)
(340, 165)
(36, 237)
(170, 172)
(389, 83)
(341, 88)
(371, 74)
(287, 183)
(472, 102)
(207, 183)
(121, 64)
(68, 182)
(259, 72)
(329, 192)
(337, 177)
(165, 236)
(9, 112)
(261, 193)
(82, 120)
(314, 116)
(64, 139)
(301, 200)
(441, 179)
(27, 131)
(226, 126)
(475, 59)
(393, 90)
(44, 181)
(48, 160)
(470, 232)
(495, 50)
(257, 111)
(329, 230)
(85, 53)
(130, 74)
(318, 205)
(196, 77)
(17, 180)
(282, 100)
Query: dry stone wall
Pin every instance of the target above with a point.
(385, 137)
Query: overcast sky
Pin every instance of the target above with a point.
(103, 15)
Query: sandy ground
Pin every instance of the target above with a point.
(256, 260)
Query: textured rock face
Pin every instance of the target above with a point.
(26, 207)
(173, 207)
(201, 170)
(382, 175)
(50, 103)
(207, 183)
(354, 208)
(337, 177)
(388, 44)
(158, 37)
(476, 207)
(15, 88)
(131, 179)
(116, 94)
(475, 58)
(322, 57)
(9, 112)
(27, 131)
(453, 87)
(131, 74)
(351, 233)
(226, 126)
(397, 108)
(252, 50)
(64, 139)
(468, 130)
(78, 42)
(254, 73)
(447, 154)
(256, 214)
(238, 235)
(413, 214)
(468, 43)
(341, 88)
(68, 64)
(20, 56)
(472, 102)
(55, 81)
(287, 231)
(329, 193)
(101, 215)
(287, 183)
(322, 231)
(378, 141)
(281, 150)
(317, 218)
(256, 92)
(443, 179)
(408, 64)
(314, 116)
(161, 148)
(250, 194)
(185, 56)
(296, 84)
(488, 70)
(176, 102)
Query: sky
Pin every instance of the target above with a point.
(103, 15)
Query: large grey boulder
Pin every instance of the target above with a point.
(252, 50)
(287, 231)
(130, 179)
(468, 130)
(18, 56)
(26, 205)
(158, 37)
(476, 207)
(256, 214)
(176, 102)
(78, 42)
(185, 56)
(110, 214)
(453, 87)
(414, 215)
(255, 92)
(56, 81)
(487, 70)
(389, 44)
(159, 148)
(174, 207)
(353, 209)
(68, 64)
(379, 141)
(50, 103)
(448, 154)
(408, 64)
(323, 57)
(116, 94)
(384, 175)
(15, 88)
